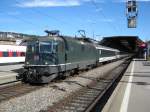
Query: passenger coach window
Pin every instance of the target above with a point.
(5, 54)
(100, 52)
(14, 54)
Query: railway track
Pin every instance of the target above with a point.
(86, 99)
(77, 101)
(15, 89)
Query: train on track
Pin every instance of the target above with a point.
(10, 54)
(51, 56)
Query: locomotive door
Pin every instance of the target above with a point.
(61, 57)
(62, 54)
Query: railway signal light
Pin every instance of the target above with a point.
(143, 45)
(132, 13)
(132, 22)
(131, 6)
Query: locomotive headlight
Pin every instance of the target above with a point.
(46, 63)
(27, 62)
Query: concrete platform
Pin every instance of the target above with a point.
(133, 91)
(8, 72)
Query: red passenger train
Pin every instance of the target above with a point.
(12, 54)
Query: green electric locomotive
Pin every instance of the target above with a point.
(54, 55)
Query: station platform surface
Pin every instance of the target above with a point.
(8, 73)
(132, 94)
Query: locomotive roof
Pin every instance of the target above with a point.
(67, 38)
(57, 38)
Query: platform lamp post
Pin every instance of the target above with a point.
(148, 48)
(144, 47)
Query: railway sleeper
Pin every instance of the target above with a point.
(66, 108)
(83, 98)
(91, 92)
(76, 104)
(88, 95)
(73, 107)
(82, 101)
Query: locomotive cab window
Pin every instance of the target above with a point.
(45, 47)
(32, 47)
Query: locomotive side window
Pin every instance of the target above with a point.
(30, 48)
(45, 47)
(82, 47)
(55, 47)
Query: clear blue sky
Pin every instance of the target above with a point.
(68, 16)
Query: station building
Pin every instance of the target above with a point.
(12, 38)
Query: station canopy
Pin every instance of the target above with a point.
(129, 44)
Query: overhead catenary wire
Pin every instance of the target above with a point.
(50, 17)
(21, 19)
(31, 23)
(104, 16)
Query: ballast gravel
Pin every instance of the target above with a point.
(52, 93)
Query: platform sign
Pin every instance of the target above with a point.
(143, 45)
(132, 22)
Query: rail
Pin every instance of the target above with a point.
(87, 99)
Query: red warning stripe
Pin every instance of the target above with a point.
(10, 54)
(18, 54)
(1, 54)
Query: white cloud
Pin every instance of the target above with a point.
(64, 3)
(143, 0)
(98, 1)
(91, 21)
(106, 20)
(50, 3)
(99, 10)
(136, 0)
